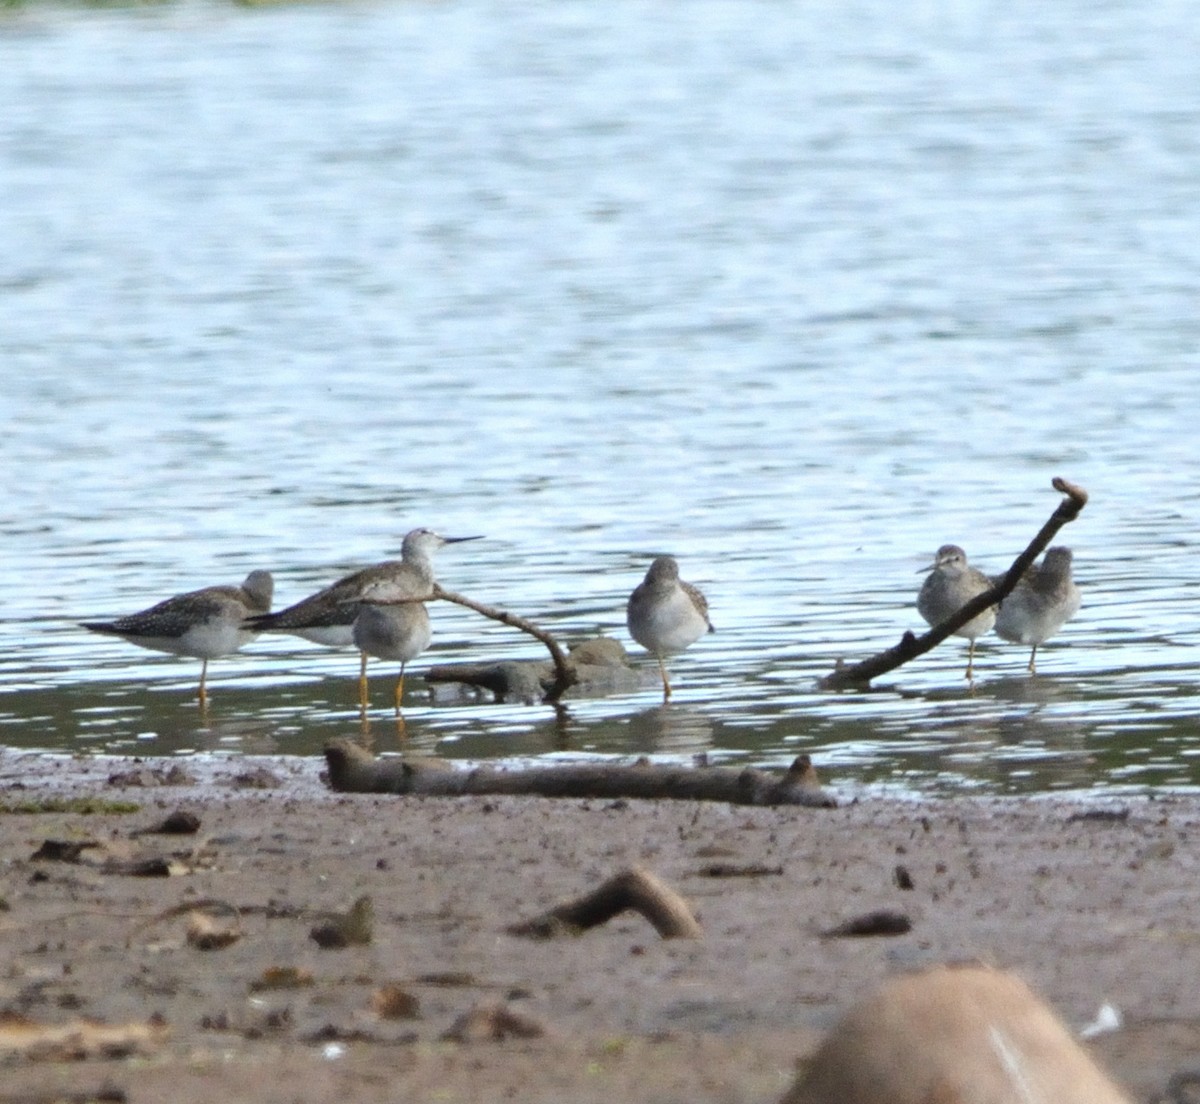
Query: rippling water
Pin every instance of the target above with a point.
(796, 295)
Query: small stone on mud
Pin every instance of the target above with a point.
(207, 934)
(53, 850)
(258, 779)
(179, 823)
(880, 922)
(152, 776)
(493, 1023)
(282, 977)
(355, 927)
(393, 1002)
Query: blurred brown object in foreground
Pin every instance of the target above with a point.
(952, 1035)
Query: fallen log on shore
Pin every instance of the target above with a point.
(352, 769)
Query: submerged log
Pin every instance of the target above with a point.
(352, 769)
(859, 675)
(600, 665)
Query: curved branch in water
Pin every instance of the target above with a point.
(564, 672)
(859, 675)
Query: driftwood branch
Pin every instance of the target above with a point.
(564, 671)
(355, 770)
(859, 675)
(635, 889)
(493, 1023)
(199, 906)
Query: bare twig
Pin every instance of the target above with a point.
(564, 672)
(199, 905)
(860, 674)
(635, 889)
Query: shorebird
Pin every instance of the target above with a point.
(951, 584)
(205, 624)
(1043, 601)
(392, 623)
(665, 614)
(330, 616)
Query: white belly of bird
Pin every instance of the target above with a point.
(397, 633)
(1031, 619)
(672, 626)
(331, 636)
(209, 640)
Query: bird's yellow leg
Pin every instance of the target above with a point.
(362, 683)
(399, 689)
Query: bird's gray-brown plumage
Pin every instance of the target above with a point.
(1043, 601)
(205, 624)
(665, 614)
(951, 584)
(393, 624)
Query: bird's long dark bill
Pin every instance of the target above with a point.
(459, 540)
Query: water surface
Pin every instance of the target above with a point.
(796, 295)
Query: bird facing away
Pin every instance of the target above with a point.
(328, 617)
(951, 584)
(665, 615)
(1043, 601)
(205, 624)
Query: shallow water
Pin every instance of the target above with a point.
(795, 295)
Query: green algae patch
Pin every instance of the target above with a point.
(85, 806)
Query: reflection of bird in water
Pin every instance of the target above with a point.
(667, 727)
(1043, 601)
(665, 615)
(330, 616)
(205, 624)
(952, 583)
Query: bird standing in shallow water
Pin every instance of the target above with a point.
(331, 616)
(392, 623)
(1043, 601)
(205, 624)
(665, 614)
(952, 583)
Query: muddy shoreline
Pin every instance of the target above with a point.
(1092, 902)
